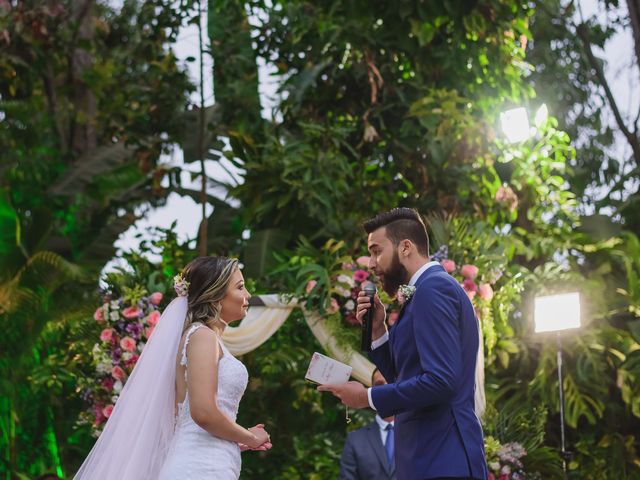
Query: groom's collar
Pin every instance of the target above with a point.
(420, 271)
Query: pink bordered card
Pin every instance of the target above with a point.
(327, 371)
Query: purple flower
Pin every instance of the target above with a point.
(134, 329)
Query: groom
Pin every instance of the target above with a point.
(428, 356)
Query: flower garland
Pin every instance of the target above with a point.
(127, 325)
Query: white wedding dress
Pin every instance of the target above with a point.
(194, 454)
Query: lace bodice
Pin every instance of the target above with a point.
(194, 453)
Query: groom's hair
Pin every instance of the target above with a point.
(401, 224)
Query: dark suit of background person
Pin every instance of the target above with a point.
(364, 456)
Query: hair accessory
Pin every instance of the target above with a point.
(180, 285)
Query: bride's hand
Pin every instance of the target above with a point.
(261, 437)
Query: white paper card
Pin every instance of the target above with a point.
(327, 371)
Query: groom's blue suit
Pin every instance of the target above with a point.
(430, 363)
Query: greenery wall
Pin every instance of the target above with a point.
(383, 104)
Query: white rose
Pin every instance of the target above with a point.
(114, 316)
(350, 305)
(346, 279)
(343, 292)
(104, 367)
(141, 346)
(117, 387)
(114, 305)
(127, 356)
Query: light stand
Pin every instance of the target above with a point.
(555, 313)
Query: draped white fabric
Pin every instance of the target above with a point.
(262, 322)
(259, 324)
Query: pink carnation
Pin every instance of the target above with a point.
(107, 383)
(97, 315)
(131, 362)
(155, 298)
(131, 312)
(485, 291)
(363, 261)
(448, 265)
(334, 307)
(153, 318)
(106, 411)
(128, 344)
(469, 271)
(310, 286)
(118, 373)
(360, 275)
(106, 335)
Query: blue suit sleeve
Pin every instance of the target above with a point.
(438, 342)
(348, 462)
(381, 356)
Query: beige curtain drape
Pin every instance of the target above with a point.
(259, 324)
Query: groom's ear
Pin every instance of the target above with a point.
(405, 247)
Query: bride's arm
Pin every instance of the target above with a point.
(203, 352)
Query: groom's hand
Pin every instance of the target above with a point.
(379, 314)
(352, 394)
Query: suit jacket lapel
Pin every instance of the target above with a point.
(373, 434)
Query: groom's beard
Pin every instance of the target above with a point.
(395, 276)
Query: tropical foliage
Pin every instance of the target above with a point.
(379, 104)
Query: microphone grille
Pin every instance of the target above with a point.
(369, 288)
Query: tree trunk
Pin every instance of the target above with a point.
(83, 136)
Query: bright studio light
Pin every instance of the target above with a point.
(515, 124)
(557, 312)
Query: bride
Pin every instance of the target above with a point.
(175, 418)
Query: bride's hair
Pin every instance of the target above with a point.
(208, 279)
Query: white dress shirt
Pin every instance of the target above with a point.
(385, 337)
(382, 426)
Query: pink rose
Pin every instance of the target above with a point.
(485, 291)
(393, 318)
(153, 318)
(334, 307)
(469, 271)
(155, 298)
(118, 373)
(106, 335)
(470, 294)
(128, 344)
(448, 265)
(131, 312)
(97, 315)
(148, 331)
(469, 285)
(106, 411)
(363, 261)
(360, 275)
(310, 286)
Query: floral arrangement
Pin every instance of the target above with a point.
(127, 323)
(505, 461)
(346, 285)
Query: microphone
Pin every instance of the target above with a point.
(367, 321)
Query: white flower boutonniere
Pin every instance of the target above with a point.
(405, 292)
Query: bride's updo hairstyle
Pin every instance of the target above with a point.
(208, 280)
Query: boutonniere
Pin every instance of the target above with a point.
(405, 292)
